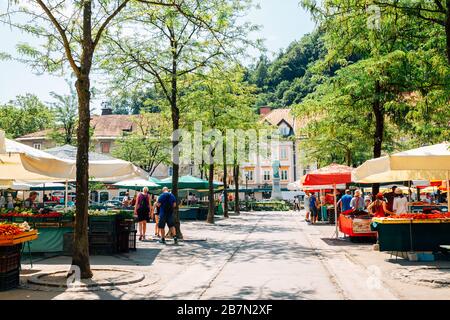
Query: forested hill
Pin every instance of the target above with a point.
(286, 80)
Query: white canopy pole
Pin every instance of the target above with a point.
(66, 196)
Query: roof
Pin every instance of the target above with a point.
(112, 125)
(276, 116)
(105, 126)
(68, 152)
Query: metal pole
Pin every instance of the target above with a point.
(448, 190)
(335, 212)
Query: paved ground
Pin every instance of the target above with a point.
(260, 255)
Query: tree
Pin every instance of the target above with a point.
(148, 146)
(176, 42)
(223, 101)
(134, 101)
(380, 63)
(66, 113)
(26, 114)
(73, 32)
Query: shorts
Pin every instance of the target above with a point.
(307, 209)
(166, 219)
(314, 211)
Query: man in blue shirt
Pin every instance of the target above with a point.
(344, 202)
(166, 203)
(313, 208)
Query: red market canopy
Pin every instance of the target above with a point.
(329, 175)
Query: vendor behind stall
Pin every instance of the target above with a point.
(29, 203)
(400, 202)
(357, 203)
(389, 196)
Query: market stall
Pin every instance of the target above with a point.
(333, 175)
(12, 238)
(413, 232)
(356, 224)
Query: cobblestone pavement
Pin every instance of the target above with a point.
(258, 255)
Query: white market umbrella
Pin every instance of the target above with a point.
(426, 163)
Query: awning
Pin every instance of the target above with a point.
(426, 163)
(329, 175)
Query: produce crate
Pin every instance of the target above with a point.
(105, 218)
(20, 238)
(102, 238)
(9, 280)
(20, 219)
(103, 249)
(132, 240)
(9, 262)
(103, 227)
(68, 244)
(123, 242)
(10, 249)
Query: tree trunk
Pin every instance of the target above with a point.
(225, 184)
(211, 201)
(236, 190)
(348, 157)
(379, 129)
(175, 161)
(80, 256)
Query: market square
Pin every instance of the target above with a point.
(224, 150)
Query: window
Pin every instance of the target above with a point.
(266, 175)
(283, 153)
(37, 146)
(284, 130)
(249, 175)
(284, 175)
(104, 196)
(105, 146)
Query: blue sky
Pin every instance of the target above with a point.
(282, 21)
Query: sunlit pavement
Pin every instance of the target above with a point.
(257, 255)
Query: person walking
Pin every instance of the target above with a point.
(156, 217)
(306, 204)
(166, 203)
(142, 211)
(296, 204)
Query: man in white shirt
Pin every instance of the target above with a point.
(400, 202)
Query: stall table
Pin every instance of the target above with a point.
(404, 235)
(354, 226)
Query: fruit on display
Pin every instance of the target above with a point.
(25, 214)
(422, 216)
(7, 229)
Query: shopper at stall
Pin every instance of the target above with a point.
(313, 206)
(46, 198)
(30, 202)
(126, 200)
(166, 203)
(400, 202)
(306, 204)
(344, 202)
(142, 211)
(2, 200)
(389, 196)
(357, 202)
(9, 201)
(378, 207)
